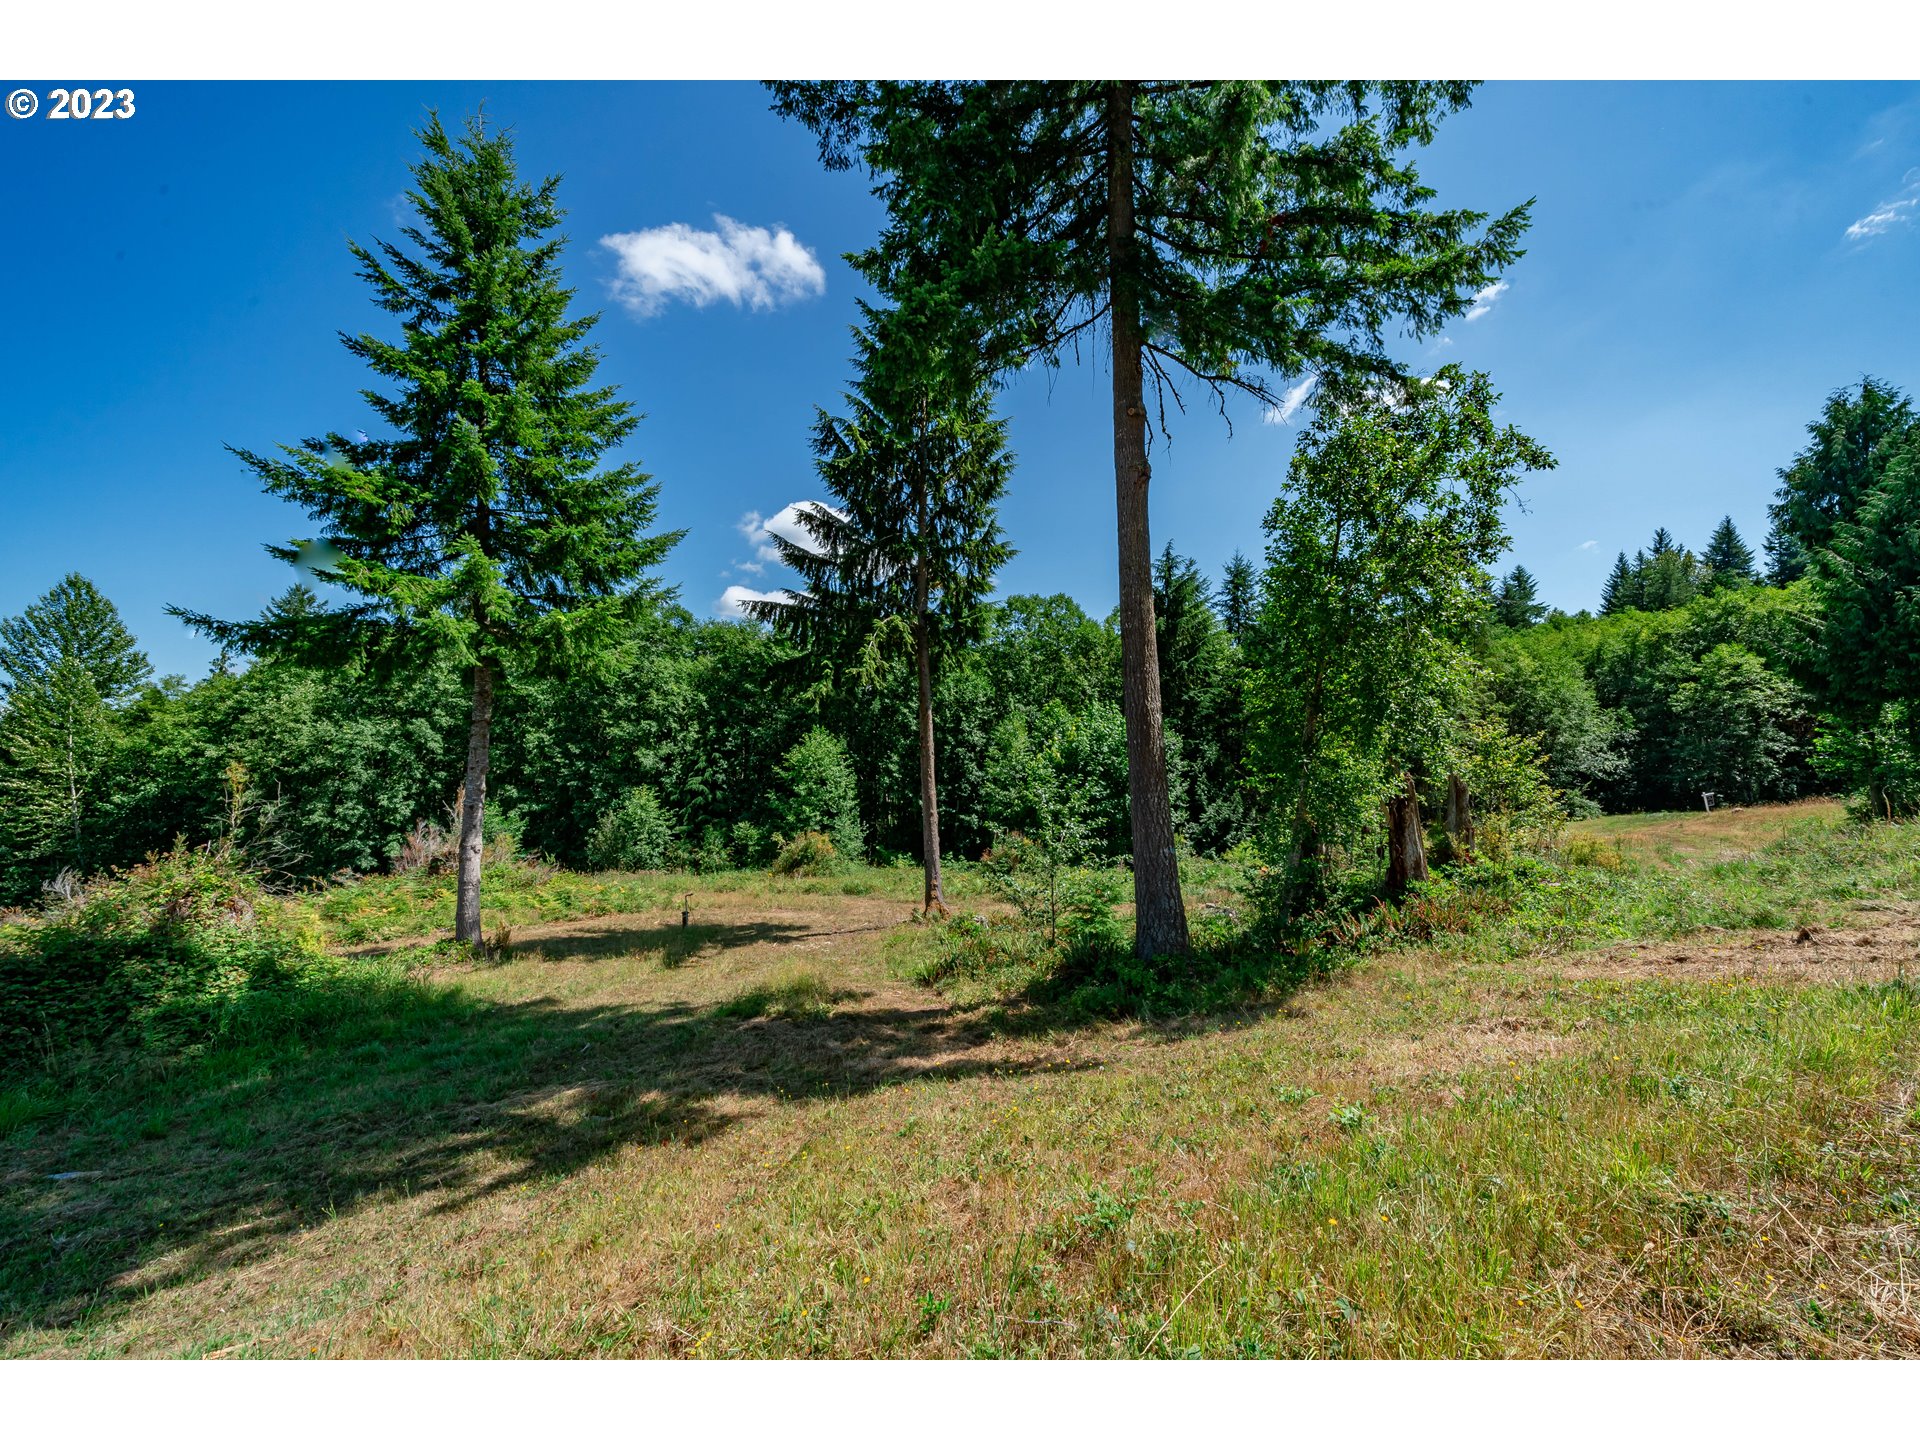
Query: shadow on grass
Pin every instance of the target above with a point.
(676, 944)
(207, 1163)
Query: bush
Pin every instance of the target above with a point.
(636, 834)
(817, 790)
(808, 853)
(750, 846)
(164, 958)
(711, 853)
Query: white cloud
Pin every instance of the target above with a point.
(1889, 213)
(733, 600)
(1483, 299)
(1586, 545)
(1290, 402)
(746, 265)
(785, 522)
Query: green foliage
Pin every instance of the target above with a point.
(476, 528)
(997, 198)
(171, 956)
(1728, 558)
(815, 790)
(1644, 710)
(1239, 595)
(636, 834)
(1878, 761)
(1515, 804)
(1539, 688)
(1516, 603)
(1850, 447)
(1376, 576)
(915, 471)
(68, 668)
(1061, 777)
(808, 853)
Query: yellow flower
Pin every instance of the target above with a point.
(1332, 1221)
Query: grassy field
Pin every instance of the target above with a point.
(1664, 1103)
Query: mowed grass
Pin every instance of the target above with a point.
(754, 1137)
(1728, 831)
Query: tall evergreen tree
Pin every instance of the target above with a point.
(1663, 543)
(1184, 622)
(911, 544)
(1672, 577)
(482, 526)
(1236, 232)
(1786, 556)
(1617, 593)
(1238, 595)
(1849, 449)
(1516, 603)
(1866, 579)
(1728, 558)
(67, 663)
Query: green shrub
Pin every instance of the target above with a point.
(165, 958)
(636, 834)
(808, 853)
(816, 790)
(750, 845)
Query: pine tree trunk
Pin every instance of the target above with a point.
(1459, 819)
(473, 802)
(1160, 917)
(934, 902)
(1406, 849)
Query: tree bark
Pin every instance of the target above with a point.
(934, 901)
(1406, 849)
(1160, 917)
(1459, 820)
(473, 802)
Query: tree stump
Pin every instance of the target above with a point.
(1459, 820)
(1406, 849)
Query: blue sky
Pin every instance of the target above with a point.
(1707, 262)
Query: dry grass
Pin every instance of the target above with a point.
(1733, 830)
(752, 1137)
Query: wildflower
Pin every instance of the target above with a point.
(1332, 1221)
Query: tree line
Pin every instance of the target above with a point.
(503, 626)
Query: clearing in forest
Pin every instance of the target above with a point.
(757, 1135)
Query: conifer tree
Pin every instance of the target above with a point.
(1617, 593)
(1516, 603)
(911, 543)
(1238, 595)
(66, 664)
(1786, 556)
(1849, 449)
(1663, 544)
(478, 525)
(1237, 233)
(1728, 559)
(1866, 578)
